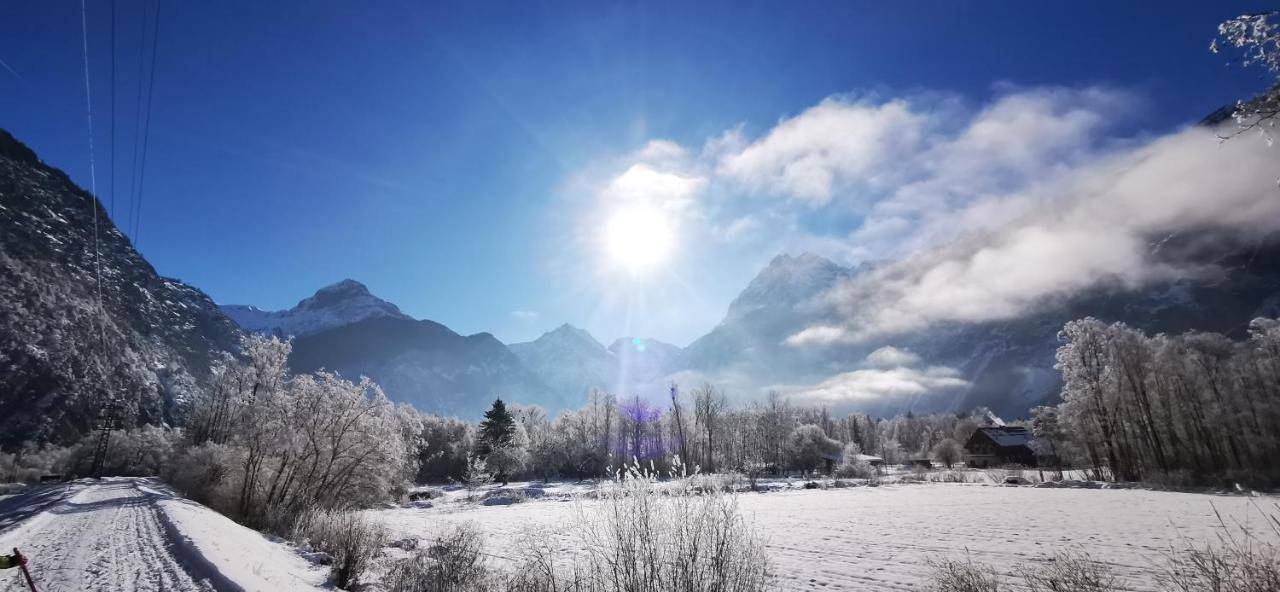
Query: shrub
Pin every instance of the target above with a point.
(349, 538)
(1243, 563)
(200, 472)
(855, 470)
(641, 539)
(1067, 571)
(453, 562)
(950, 575)
(1071, 571)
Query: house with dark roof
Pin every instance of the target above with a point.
(997, 446)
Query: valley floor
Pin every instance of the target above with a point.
(879, 538)
(135, 534)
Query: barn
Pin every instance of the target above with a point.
(997, 446)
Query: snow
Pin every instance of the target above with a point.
(879, 538)
(135, 534)
(337, 305)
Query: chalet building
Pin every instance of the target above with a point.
(998, 446)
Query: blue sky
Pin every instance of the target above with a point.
(458, 158)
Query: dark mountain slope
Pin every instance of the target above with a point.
(423, 363)
(60, 360)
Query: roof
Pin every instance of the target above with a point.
(867, 458)
(1007, 436)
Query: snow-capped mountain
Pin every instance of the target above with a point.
(570, 361)
(1009, 364)
(336, 305)
(61, 359)
(423, 363)
(785, 297)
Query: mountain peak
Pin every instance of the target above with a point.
(787, 282)
(567, 333)
(336, 293)
(336, 305)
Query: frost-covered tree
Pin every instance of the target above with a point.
(1192, 408)
(809, 446)
(709, 405)
(948, 452)
(1257, 39)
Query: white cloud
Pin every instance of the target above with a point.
(738, 228)
(524, 316)
(877, 384)
(817, 335)
(833, 144)
(987, 212)
(889, 357)
(642, 183)
(1101, 229)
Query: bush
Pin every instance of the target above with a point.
(349, 538)
(1067, 571)
(855, 470)
(642, 539)
(200, 472)
(950, 575)
(1071, 571)
(1244, 563)
(452, 563)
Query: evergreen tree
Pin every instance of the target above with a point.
(496, 430)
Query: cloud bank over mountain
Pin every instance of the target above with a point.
(986, 212)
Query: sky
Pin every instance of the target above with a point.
(623, 167)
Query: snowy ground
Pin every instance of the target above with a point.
(878, 538)
(134, 534)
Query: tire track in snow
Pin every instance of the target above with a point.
(105, 537)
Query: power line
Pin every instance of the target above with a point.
(113, 109)
(93, 175)
(137, 120)
(146, 127)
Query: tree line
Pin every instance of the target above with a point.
(1191, 409)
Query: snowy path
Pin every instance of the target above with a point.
(877, 539)
(132, 534)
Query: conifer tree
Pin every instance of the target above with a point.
(496, 430)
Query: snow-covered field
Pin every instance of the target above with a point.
(879, 538)
(134, 534)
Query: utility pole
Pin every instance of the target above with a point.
(108, 421)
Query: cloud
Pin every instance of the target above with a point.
(817, 335)
(642, 183)
(973, 213)
(738, 228)
(524, 316)
(1103, 228)
(810, 156)
(889, 357)
(878, 384)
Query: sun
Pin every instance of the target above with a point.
(639, 238)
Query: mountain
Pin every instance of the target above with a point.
(343, 303)
(784, 298)
(1008, 364)
(60, 359)
(644, 364)
(423, 363)
(570, 361)
(346, 329)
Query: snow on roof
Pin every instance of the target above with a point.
(1008, 436)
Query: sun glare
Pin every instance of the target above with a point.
(639, 238)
